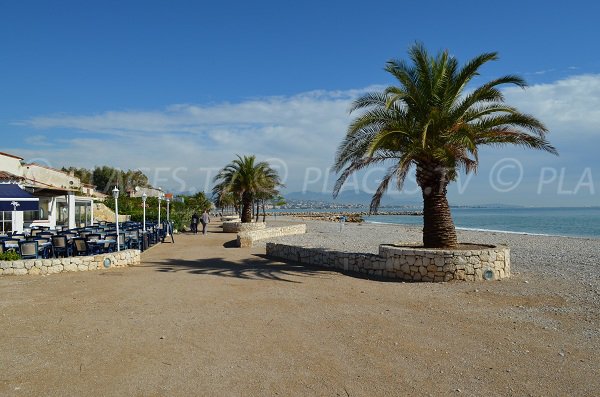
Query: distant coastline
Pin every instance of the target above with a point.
(544, 221)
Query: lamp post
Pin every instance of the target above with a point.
(168, 231)
(144, 197)
(160, 194)
(168, 201)
(115, 193)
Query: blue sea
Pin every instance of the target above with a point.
(576, 222)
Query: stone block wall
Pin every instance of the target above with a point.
(237, 227)
(247, 238)
(407, 263)
(70, 264)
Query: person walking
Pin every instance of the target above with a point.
(195, 219)
(205, 221)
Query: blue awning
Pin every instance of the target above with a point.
(13, 198)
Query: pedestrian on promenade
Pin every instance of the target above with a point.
(205, 221)
(195, 220)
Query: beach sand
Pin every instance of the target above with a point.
(200, 317)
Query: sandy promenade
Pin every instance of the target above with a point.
(199, 317)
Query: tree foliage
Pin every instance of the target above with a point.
(105, 178)
(180, 210)
(245, 180)
(430, 121)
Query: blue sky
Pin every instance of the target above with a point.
(178, 88)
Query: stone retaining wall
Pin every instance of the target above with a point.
(247, 238)
(406, 262)
(70, 264)
(237, 227)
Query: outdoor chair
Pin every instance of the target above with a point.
(93, 236)
(35, 232)
(29, 249)
(61, 247)
(122, 240)
(97, 248)
(134, 239)
(46, 248)
(81, 247)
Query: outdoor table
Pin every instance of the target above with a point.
(41, 247)
(101, 243)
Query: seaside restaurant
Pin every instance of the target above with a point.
(14, 201)
(57, 196)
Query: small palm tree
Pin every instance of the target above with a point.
(246, 179)
(430, 122)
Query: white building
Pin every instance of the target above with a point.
(63, 199)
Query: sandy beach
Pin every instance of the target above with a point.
(200, 317)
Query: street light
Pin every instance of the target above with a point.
(144, 197)
(115, 193)
(168, 201)
(168, 231)
(160, 194)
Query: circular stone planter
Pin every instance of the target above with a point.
(471, 262)
(230, 218)
(237, 227)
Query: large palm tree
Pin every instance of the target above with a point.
(246, 178)
(432, 122)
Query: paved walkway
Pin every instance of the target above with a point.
(201, 318)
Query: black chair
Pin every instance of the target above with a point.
(61, 247)
(134, 238)
(29, 249)
(81, 247)
(93, 236)
(45, 247)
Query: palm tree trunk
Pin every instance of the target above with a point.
(264, 213)
(438, 227)
(246, 208)
(257, 210)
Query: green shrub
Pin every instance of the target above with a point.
(180, 213)
(9, 256)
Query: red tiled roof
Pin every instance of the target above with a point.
(49, 168)
(11, 155)
(8, 176)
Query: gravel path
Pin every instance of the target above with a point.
(571, 263)
(563, 257)
(200, 317)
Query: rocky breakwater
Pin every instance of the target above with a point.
(351, 217)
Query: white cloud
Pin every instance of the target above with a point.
(568, 106)
(181, 146)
